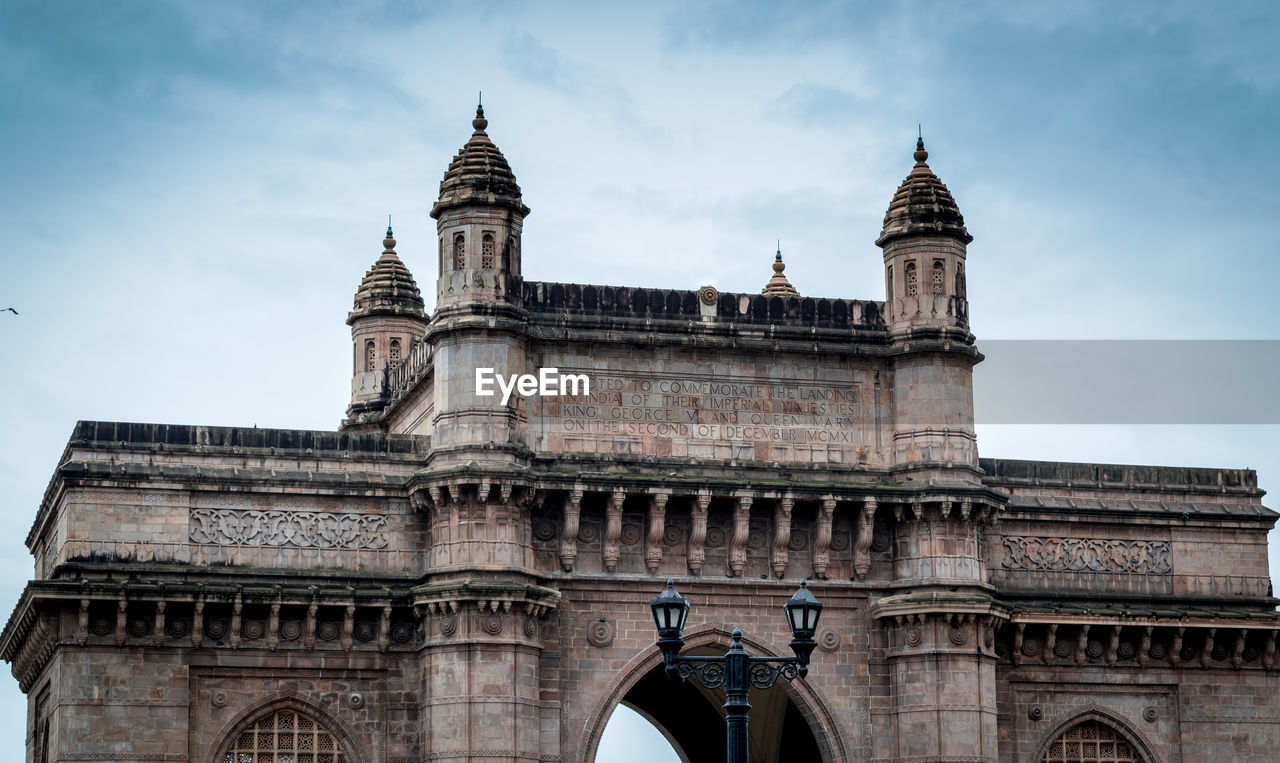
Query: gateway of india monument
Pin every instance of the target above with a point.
(461, 576)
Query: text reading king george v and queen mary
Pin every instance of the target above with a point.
(781, 412)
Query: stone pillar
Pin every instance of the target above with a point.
(940, 650)
(481, 695)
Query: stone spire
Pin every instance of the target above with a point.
(479, 175)
(388, 287)
(923, 205)
(779, 285)
(479, 218)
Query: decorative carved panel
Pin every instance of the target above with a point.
(302, 529)
(1086, 555)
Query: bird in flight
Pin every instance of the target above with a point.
(10, 309)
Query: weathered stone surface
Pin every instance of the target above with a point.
(453, 578)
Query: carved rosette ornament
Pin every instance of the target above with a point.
(781, 536)
(613, 531)
(741, 529)
(600, 633)
(698, 534)
(822, 539)
(569, 533)
(657, 530)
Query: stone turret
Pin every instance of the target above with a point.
(479, 320)
(924, 242)
(387, 320)
(479, 216)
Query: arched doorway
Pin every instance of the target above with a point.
(691, 718)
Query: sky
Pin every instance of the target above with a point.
(191, 192)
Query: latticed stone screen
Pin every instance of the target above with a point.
(284, 737)
(1091, 742)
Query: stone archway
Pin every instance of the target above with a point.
(305, 721)
(788, 716)
(1064, 743)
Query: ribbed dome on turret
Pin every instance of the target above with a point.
(388, 288)
(479, 174)
(923, 205)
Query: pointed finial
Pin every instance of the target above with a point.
(920, 155)
(388, 243)
(480, 122)
(778, 284)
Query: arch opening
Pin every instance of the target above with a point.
(691, 718)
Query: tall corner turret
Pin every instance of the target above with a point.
(479, 218)
(924, 242)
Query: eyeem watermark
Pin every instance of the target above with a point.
(548, 383)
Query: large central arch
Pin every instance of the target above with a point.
(691, 717)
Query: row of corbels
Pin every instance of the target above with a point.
(494, 606)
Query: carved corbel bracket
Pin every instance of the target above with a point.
(698, 532)
(822, 537)
(741, 529)
(781, 536)
(657, 528)
(569, 531)
(866, 530)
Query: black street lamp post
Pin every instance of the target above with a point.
(736, 671)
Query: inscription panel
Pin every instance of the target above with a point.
(695, 416)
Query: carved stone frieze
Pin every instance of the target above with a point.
(301, 529)
(1086, 555)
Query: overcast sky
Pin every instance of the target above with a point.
(191, 192)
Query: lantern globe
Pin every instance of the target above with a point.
(803, 611)
(670, 610)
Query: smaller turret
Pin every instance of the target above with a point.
(387, 321)
(778, 285)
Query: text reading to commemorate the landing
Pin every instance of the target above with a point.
(773, 412)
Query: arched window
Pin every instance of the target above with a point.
(395, 353)
(939, 276)
(459, 252)
(285, 735)
(440, 247)
(889, 283)
(913, 283)
(960, 288)
(1091, 742)
(486, 252)
(370, 356)
(509, 254)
